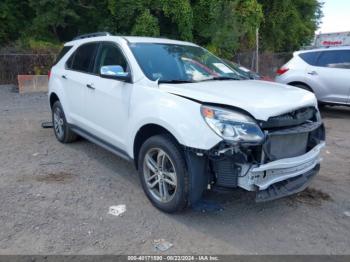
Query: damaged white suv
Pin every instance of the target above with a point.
(185, 118)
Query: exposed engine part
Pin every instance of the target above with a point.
(287, 152)
(293, 141)
(228, 163)
(226, 172)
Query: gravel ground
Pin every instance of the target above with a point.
(54, 199)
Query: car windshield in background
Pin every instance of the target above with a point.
(242, 71)
(170, 63)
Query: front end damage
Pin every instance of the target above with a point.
(283, 164)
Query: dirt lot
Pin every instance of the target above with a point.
(54, 199)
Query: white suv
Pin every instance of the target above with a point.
(185, 118)
(325, 72)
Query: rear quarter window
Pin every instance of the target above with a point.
(310, 57)
(335, 59)
(61, 54)
(83, 58)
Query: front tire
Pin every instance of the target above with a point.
(163, 173)
(61, 128)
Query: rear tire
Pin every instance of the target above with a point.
(61, 128)
(163, 173)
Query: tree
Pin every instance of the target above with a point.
(146, 25)
(249, 17)
(223, 26)
(14, 17)
(173, 18)
(51, 18)
(123, 14)
(180, 14)
(289, 24)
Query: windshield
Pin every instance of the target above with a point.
(180, 63)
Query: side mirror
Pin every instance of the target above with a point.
(115, 72)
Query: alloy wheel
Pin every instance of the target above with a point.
(58, 122)
(160, 175)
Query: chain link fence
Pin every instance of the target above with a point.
(12, 65)
(268, 62)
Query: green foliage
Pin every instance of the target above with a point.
(289, 24)
(39, 70)
(51, 17)
(38, 46)
(123, 14)
(216, 27)
(223, 26)
(180, 13)
(146, 25)
(14, 17)
(250, 16)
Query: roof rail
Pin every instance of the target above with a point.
(92, 35)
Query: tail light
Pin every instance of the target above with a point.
(282, 70)
(49, 74)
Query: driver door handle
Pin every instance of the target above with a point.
(90, 86)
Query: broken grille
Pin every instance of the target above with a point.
(294, 118)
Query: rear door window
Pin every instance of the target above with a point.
(335, 59)
(83, 58)
(310, 57)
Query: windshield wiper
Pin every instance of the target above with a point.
(179, 81)
(174, 81)
(222, 78)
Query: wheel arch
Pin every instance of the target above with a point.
(53, 99)
(145, 132)
(295, 83)
(195, 165)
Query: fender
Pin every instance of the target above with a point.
(56, 88)
(309, 81)
(180, 116)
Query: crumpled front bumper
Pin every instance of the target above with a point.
(262, 177)
(287, 187)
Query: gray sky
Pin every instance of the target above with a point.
(336, 16)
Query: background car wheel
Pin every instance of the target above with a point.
(163, 173)
(62, 131)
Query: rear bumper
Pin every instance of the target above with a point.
(260, 178)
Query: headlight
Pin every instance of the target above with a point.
(232, 126)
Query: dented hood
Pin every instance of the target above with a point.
(259, 98)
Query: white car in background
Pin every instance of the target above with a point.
(325, 72)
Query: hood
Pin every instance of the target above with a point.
(259, 98)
